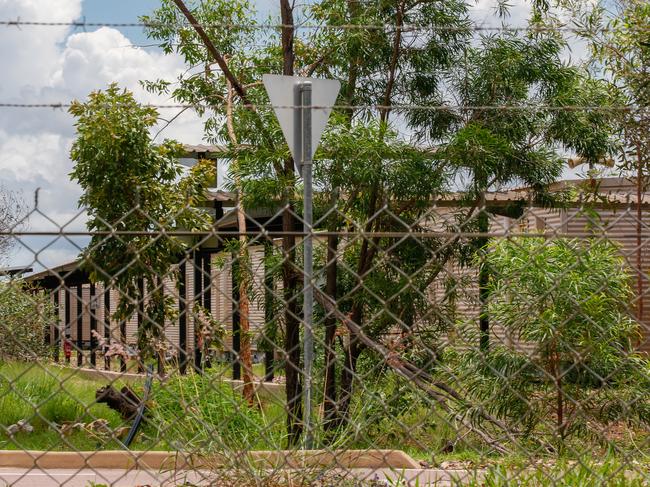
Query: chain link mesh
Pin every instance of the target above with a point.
(476, 345)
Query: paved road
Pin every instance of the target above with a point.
(130, 478)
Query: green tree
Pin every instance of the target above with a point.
(564, 303)
(372, 65)
(12, 216)
(131, 185)
(618, 36)
(509, 119)
(374, 179)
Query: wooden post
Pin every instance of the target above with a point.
(123, 340)
(639, 240)
(236, 331)
(140, 318)
(68, 323)
(80, 326)
(182, 317)
(198, 299)
(93, 326)
(107, 324)
(57, 324)
(207, 292)
(269, 354)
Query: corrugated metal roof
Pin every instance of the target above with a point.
(602, 198)
(194, 151)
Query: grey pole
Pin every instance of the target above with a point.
(308, 290)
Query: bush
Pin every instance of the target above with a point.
(570, 300)
(202, 413)
(24, 316)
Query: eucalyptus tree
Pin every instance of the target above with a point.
(511, 111)
(12, 216)
(391, 56)
(568, 300)
(618, 36)
(229, 52)
(137, 189)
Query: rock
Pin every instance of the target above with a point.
(69, 427)
(100, 424)
(125, 402)
(21, 426)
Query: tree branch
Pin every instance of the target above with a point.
(399, 20)
(288, 56)
(218, 57)
(411, 373)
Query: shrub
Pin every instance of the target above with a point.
(203, 413)
(570, 300)
(24, 316)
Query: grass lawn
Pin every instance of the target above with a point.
(185, 413)
(202, 413)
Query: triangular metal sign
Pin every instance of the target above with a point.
(283, 94)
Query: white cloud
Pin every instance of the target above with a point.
(53, 64)
(32, 52)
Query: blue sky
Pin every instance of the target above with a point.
(130, 10)
(119, 11)
(59, 64)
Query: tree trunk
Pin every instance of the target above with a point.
(366, 255)
(245, 354)
(436, 390)
(289, 277)
(329, 401)
(348, 373)
(639, 226)
(483, 277)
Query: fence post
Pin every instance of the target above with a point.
(80, 324)
(107, 324)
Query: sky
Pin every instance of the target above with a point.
(58, 64)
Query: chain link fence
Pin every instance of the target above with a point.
(445, 353)
(456, 311)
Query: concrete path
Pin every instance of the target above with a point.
(130, 478)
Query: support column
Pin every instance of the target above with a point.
(198, 299)
(68, 323)
(236, 330)
(123, 340)
(207, 292)
(93, 326)
(57, 327)
(80, 326)
(107, 324)
(182, 317)
(270, 345)
(140, 321)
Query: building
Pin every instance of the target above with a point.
(206, 278)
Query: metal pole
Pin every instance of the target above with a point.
(308, 291)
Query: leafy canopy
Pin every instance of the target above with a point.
(131, 184)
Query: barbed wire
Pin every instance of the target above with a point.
(269, 26)
(591, 108)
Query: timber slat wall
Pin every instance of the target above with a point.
(617, 225)
(215, 289)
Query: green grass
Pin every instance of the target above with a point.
(203, 413)
(190, 412)
(48, 397)
(583, 472)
